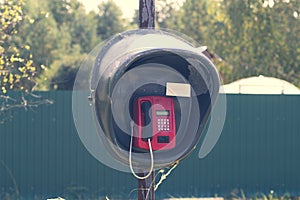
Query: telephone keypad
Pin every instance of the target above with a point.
(163, 125)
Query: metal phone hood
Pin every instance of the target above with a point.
(142, 63)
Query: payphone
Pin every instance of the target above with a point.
(135, 111)
(154, 118)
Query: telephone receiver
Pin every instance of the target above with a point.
(147, 130)
(154, 118)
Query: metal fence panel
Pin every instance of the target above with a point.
(258, 151)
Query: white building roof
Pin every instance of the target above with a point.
(260, 85)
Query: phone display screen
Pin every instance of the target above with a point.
(162, 113)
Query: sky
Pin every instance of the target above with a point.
(127, 6)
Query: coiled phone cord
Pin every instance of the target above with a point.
(130, 156)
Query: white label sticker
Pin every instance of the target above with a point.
(178, 89)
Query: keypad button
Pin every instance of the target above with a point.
(163, 124)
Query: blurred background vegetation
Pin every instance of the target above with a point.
(42, 43)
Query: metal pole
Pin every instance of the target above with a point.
(147, 14)
(146, 187)
(146, 20)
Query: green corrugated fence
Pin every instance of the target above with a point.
(41, 155)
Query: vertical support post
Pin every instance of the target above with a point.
(147, 14)
(146, 187)
(146, 20)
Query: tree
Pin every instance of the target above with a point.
(63, 71)
(109, 20)
(166, 15)
(17, 69)
(84, 32)
(260, 36)
(134, 23)
(16, 65)
(44, 37)
(195, 19)
(61, 34)
(203, 21)
(82, 27)
(252, 37)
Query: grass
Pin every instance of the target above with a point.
(82, 193)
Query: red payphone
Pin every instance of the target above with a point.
(154, 118)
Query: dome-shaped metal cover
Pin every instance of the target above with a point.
(143, 63)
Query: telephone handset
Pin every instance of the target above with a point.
(155, 120)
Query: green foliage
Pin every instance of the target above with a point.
(109, 20)
(195, 19)
(83, 31)
(17, 70)
(252, 37)
(63, 71)
(168, 15)
(135, 20)
(43, 36)
(61, 33)
(76, 34)
(264, 39)
(71, 14)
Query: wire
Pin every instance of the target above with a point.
(130, 156)
(165, 175)
(162, 178)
